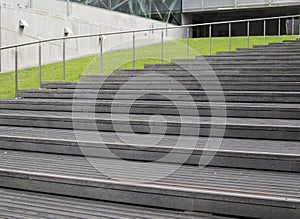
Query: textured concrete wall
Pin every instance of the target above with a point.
(83, 20)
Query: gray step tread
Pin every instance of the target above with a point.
(279, 67)
(250, 62)
(23, 204)
(250, 58)
(259, 53)
(236, 93)
(37, 101)
(195, 67)
(26, 114)
(66, 137)
(158, 82)
(259, 57)
(176, 95)
(269, 184)
(174, 86)
(159, 95)
(180, 74)
(285, 86)
(247, 110)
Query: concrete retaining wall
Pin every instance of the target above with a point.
(83, 20)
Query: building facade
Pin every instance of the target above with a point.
(200, 11)
(163, 10)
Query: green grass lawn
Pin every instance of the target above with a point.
(28, 78)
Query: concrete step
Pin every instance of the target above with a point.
(226, 64)
(244, 193)
(192, 85)
(167, 75)
(231, 65)
(291, 41)
(199, 62)
(156, 95)
(196, 68)
(246, 110)
(248, 58)
(22, 204)
(238, 153)
(257, 53)
(275, 129)
(284, 46)
(269, 49)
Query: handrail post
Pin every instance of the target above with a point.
(248, 34)
(279, 30)
(229, 37)
(133, 50)
(16, 74)
(299, 25)
(64, 60)
(101, 53)
(187, 42)
(265, 32)
(162, 46)
(293, 28)
(210, 39)
(40, 66)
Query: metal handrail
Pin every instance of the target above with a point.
(144, 30)
(162, 29)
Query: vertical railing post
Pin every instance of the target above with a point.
(64, 61)
(248, 33)
(101, 54)
(229, 37)
(30, 4)
(293, 28)
(210, 39)
(162, 46)
(16, 74)
(133, 50)
(40, 65)
(299, 26)
(265, 32)
(187, 42)
(279, 29)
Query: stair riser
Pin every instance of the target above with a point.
(195, 68)
(255, 98)
(221, 159)
(179, 200)
(269, 50)
(283, 46)
(244, 63)
(232, 131)
(248, 59)
(262, 87)
(211, 79)
(255, 54)
(242, 112)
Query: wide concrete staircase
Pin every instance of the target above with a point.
(51, 152)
